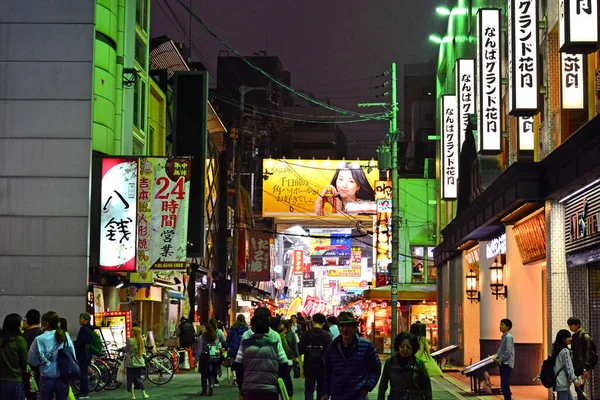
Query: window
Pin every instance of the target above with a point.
(139, 104)
(141, 52)
(137, 147)
(423, 269)
(141, 15)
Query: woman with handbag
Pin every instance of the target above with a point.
(45, 352)
(405, 373)
(135, 363)
(13, 358)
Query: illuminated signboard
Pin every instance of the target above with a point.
(465, 95)
(383, 231)
(572, 81)
(496, 247)
(578, 31)
(449, 131)
(318, 188)
(526, 134)
(523, 58)
(489, 80)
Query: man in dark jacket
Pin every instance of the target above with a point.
(313, 345)
(352, 365)
(581, 347)
(187, 334)
(31, 330)
(84, 338)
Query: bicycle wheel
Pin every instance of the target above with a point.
(112, 383)
(104, 373)
(159, 369)
(93, 378)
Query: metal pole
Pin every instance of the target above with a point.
(395, 207)
(237, 167)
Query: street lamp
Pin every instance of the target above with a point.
(472, 292)
(499, 289)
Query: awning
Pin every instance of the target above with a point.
(405, 292)
(173, 294)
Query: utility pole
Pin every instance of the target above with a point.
(393, 134)
(237, 175)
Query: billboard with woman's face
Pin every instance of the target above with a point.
(324, 188)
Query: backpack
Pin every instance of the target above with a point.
(547, 375)
(314, 357)
(95, 347)
(212, 352)
(593, 354)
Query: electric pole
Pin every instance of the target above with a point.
(237, 179)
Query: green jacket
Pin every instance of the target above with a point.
(413, 379)
(13, 359)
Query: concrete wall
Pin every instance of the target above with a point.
(45, 147)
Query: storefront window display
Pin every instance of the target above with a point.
(426, 314)
(423, 269)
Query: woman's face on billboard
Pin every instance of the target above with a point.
(346, 185)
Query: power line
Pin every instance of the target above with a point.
(272, 78)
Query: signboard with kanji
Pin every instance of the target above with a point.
(258, 268)
(465, 96)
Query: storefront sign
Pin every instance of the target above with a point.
(355, 266)
(578, 30)
(259, 268)
(450, 150)
(526, 134)
(118, 214)
(465, 95)
(298, 261)
(572, 68)
(583, 220)
(297, 188)
(308, 280)
(523, 57)
(496, 247)
(330, 242)
(383, 230)
(489, 81)
(530, 236)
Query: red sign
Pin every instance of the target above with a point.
(364, 284)
(381, 280)
(298, 261)
(259, 268)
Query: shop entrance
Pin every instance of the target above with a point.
(594, 293)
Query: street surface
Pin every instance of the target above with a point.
(186, 385)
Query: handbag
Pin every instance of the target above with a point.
(67, 364)
(296, 368)
(121, 373)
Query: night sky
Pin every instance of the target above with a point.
(319, 41)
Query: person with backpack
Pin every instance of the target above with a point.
(85, 337)
(234, 339)
(352, 365)
(313, 345)
(186, 333)
(208, 358)
(44, 353)
(563, 366)
(584, 352)
(405, 373)
(505, 357)
(13, 358)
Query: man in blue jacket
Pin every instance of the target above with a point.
(352, 365)
(84, 338)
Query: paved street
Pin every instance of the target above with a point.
(186, 385)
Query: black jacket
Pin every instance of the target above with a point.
(187, 334)
(84, 337)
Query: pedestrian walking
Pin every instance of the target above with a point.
(424, 352)
(313, 345)
(581, 349)
(563, 366)
(505, 357)
(208, 358)
(43, 353)
(295, 327)
(263, 361)
(135, 363)
(352, 365)
(332, 325)
(405, 373)
(84, 339)
(290, 346)
(13, 358)
(234, 339)
(186, 333)
(31, 330)
(223, 342)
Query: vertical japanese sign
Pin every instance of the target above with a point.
(308, 279)
(465, 96)
(489, 80)
(383, 230)
(170, 197)
(144, 217)
(572, 81)
(298, 261)
(523, 58)
(449, 129)
(258, 265)
(118, 214)
(526, 134)
(578, 30)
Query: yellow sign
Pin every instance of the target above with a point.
(324, 188)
